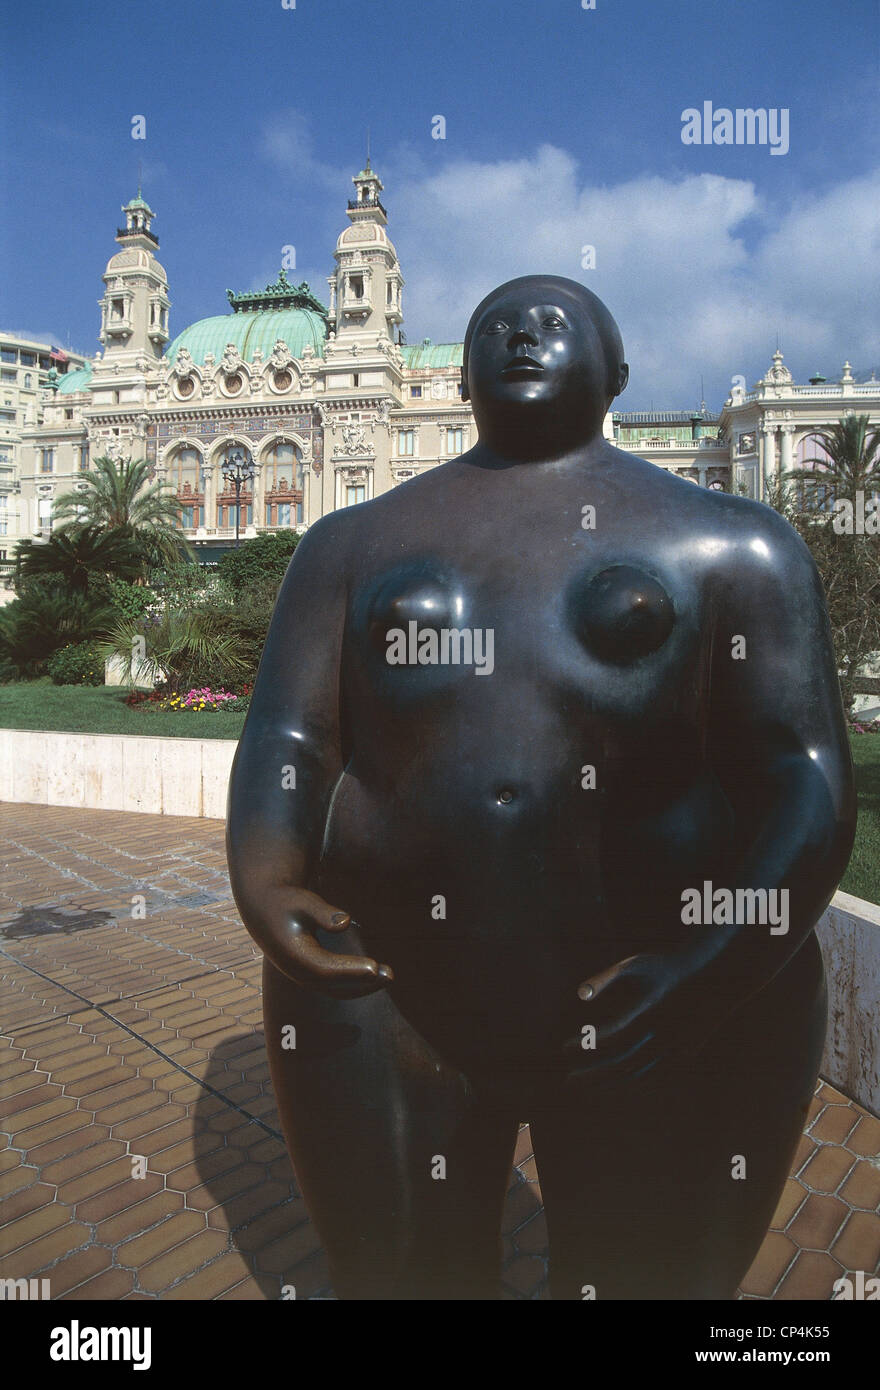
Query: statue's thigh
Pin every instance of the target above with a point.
(665, 1188)
(403, 1173)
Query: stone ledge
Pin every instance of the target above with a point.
(849, 933)
(116, 772)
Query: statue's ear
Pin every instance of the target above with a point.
(622, 379)
(465, 393)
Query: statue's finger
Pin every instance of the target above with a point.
(328, 968)
(315, 912)
(591, 988)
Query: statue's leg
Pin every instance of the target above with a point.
(403, 1172)
(664, 1188)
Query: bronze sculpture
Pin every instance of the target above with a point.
(521, 725)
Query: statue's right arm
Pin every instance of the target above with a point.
(288, 763)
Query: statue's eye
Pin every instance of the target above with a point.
(554, 321)
(496, 326)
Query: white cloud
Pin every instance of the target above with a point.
(288, 143)
(58, 340)
(700, 272)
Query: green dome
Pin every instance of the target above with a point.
(250, 331)
(71, 382)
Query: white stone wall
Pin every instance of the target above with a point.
(113, 772)
(849, 934)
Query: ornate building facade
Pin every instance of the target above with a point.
(28, 367)
(773, 427)
(328, 406)
(327, 402)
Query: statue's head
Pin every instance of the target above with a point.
(538, 350)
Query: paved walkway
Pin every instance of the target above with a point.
(130, 1010)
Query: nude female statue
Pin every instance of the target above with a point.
(487, 893)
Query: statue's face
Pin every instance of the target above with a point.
(535, 344)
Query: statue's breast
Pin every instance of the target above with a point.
(620, 614)
(414, 593)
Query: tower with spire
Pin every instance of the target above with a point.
(366, 291)
(135, 304)
(134, 331)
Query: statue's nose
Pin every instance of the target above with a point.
(521, 336)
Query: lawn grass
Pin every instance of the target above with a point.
(862, 877)
(102, 710)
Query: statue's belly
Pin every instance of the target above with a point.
(489, 920)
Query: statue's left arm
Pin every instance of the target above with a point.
(777, 743)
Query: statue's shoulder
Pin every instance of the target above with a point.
(407, 494)
(754, 548)
(345, 534)
(741, 541)
(327, 544)
(334, 528)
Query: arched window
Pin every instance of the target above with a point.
(812, 446)
(283, 484)
(184, 478)
(810, 450)
(227, 500)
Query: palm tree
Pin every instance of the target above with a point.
(41, 620)
(77, 555)
(118, 496)
(851, 464)
(177, 645)
(848, 564)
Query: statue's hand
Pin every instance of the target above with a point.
(643, 1009)
(287, 936)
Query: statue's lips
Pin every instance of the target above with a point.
(522, 364)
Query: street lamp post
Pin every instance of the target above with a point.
(238, 469)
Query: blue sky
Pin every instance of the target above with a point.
(563, 129)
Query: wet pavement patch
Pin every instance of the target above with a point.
(40, 921)
(158, 901)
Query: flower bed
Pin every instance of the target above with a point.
(196, 701)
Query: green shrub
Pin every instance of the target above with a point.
(259, 561)
(186, 585)
(246, 620)
(43, 618)
(207, 627)
(185, 644)
(236, 620)
(127, 600)
(79, 663)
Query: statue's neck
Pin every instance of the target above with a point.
(532, 435)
